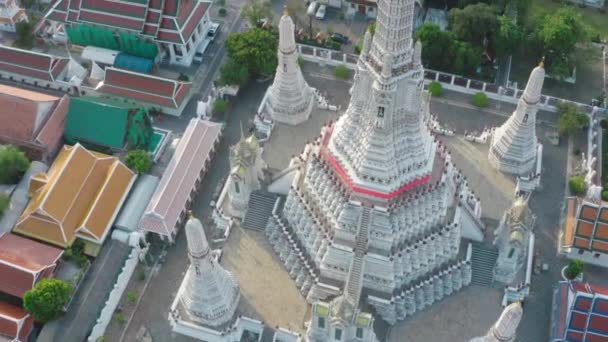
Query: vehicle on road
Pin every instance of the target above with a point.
(200, 51)
(213, 31)
(312, 8)
(340, 38)
(321, 12)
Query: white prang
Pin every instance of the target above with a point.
(505, 328)
(377, 206)
(209, 294)
(246, 171)
(514, 145)
(289, 99)
(511, 238)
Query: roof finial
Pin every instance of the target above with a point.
(542, 62)
(190, 214)
(285, 11)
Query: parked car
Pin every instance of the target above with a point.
(321, 12)
(340, 38)
(213, 31)
(312, 8)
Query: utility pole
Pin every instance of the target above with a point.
(605, 57)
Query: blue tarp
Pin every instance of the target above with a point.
(133, 63)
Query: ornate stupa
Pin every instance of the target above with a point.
(505, 328)
(246, 170)
(209, 294)
(289, 99)
(377, 206)
(514, 145)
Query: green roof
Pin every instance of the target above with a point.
(97, 121)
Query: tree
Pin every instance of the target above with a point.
(13, 164)
(46, 300)
(233, 73)
(24, 35)
(604, 195)
(473, 23)
(255, 48)
(480, 100)
(219, 106)
(435, 88)
(256, 10)
(341, 71)
(570, 119)
(120, 318)
(575, 267)
(577, 185)
(556, 35)
(5, 202)
(508, 36)
(131, 297)
(604, 123)
(139, 161)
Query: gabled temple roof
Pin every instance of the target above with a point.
(147, 88)
(15, 323)
(171, 21)
(32, 64)
(586, 225)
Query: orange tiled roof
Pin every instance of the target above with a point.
(78, 197)
(588, 229)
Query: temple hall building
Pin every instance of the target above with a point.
(178, 27)
(376, 211)
(585, 231)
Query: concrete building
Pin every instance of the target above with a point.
(78, 197)
(33, 121)
(585, 231)
(376, 210)
(10, 15)
(505, 328)
(289, 99)
(177, 27)
(579, 313)
(181, 179)
(514, 147)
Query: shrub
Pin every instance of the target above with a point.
(577, 151)
(139, 161)
(46, 300)
(570, 118)
(435, 88)
(13, 164)
(5, 202)
(480, 100)
(141, 275)
(575, 267)
(604, 124)
(75, 253)
(605, 195)
(120, 318)
(222, 12)
(340, 15)
(577, 185)
(358, 47)
(341, 71)
(219, 106)
(300, 60)
(131, 297)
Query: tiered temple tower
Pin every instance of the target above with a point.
(209, 294)
(377, 207)
(514, 145)
(505, 328)
(246, 171)
(289, 99)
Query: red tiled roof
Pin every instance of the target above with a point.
(15, 322)
(198, 13)
(143, 87)
(589, 229)
(579, 312)
(52, 131)
(23, 262)
(31, 63)
(111, 20)
(131, 9)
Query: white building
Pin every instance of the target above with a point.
(376, 206)
(289, 99)
(514, 148)
(10, 15)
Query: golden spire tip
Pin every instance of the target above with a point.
(542, 62)
(285, 11)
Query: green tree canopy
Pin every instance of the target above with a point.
(473, 23)
(24, 35)
(255, 48)
(575, 267)
(233, 73)
(256, 10)
(570, 118)
(555, 35)
(435, 88)
(480, 100)
(46, 300)
(5, 202)
(13, 164)
(577, 185)
(220, 106)
(139, 161)
(508, 36)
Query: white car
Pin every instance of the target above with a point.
(213, 31)
(321, 12)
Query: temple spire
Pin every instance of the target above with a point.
(505, 328)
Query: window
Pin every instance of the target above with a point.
(526, 118)
(284, 67)
(321, 322)
(511, 252)
(338, 334)
(178, 52)
(380, 112)
(236, 187)
(359, 333)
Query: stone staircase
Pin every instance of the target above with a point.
(259, 210)
(483, 259)
(355, 276)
